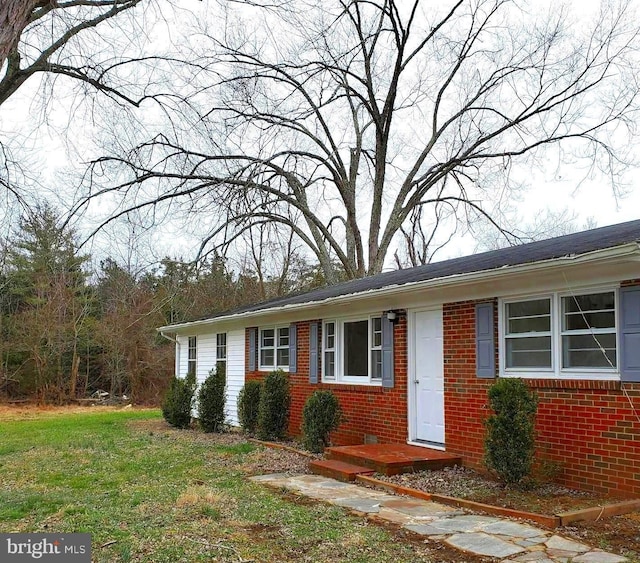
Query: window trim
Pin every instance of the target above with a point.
(550, 333)
(557, 371)
(218, 346)
(339, 349)
(193, 360)
(275, 348)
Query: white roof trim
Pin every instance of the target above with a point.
(617, 252)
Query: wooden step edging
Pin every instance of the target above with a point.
(595, 513)
(548, 521)
(277, 446)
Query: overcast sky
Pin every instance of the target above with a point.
(46, 158)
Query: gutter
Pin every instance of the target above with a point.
(178, 347)
(622, 251)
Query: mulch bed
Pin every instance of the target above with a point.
(460, 482)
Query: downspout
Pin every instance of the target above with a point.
(177, 343)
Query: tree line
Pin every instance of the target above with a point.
(69, 329)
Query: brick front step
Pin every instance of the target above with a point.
(393, 459)
(338, 469)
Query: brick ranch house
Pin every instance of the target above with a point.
(410, 354)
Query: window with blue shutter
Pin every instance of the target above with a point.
(253, 348)
(313, 352)
(630, 334)
(293, 348)
(485, 341)
(387, 352)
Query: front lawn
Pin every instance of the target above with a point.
(149, 493)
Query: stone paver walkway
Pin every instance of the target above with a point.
(483, 535)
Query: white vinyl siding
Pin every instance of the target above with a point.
(235, 373)
(181, 355)
(206, 358)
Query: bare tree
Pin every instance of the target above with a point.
(341, 121)
(45, 36)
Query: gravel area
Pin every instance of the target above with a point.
(461, 482)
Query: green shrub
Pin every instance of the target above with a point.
(212, 399)
(510, 439)
(321, 415)
(248, 405)
(176, 407)
(273, 410)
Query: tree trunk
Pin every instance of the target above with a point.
(14, 17)
(75, 367)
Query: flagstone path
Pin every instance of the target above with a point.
(483, 535)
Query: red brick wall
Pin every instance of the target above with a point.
(368, 410)
(587, 429)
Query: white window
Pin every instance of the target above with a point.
(274, 348)
(329, 354)
(560, 335)
(589, 331)
(221, 347)
(192, 356)
(528, 334)
(352, 350)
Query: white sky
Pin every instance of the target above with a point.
(48, 160)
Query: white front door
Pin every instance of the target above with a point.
(428, 377)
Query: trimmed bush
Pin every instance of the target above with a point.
(176, 406)
(510, 439)
(248, 405)
(273, 410)
(212, 399)
(321, 415)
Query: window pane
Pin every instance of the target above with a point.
(330, 365)
(283, 337)
(529, 308)
(356, 344)
(330, 335)
(593, 302)
(376, 325)
(191, 350)
(283, 357)
(589, 351)
(532, 352)
(221, 346)
(529, 316)
(266, 357)
(531, 324)
(268, 337)
(589, 311)
(376, 364)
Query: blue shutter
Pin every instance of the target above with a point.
(293, 349)
(253, 348)
(630, 334)
(313, 352)
(387, 352)
(485, 342)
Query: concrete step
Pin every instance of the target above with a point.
(338, 470)
(393, 459)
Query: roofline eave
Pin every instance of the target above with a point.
(621, 251)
